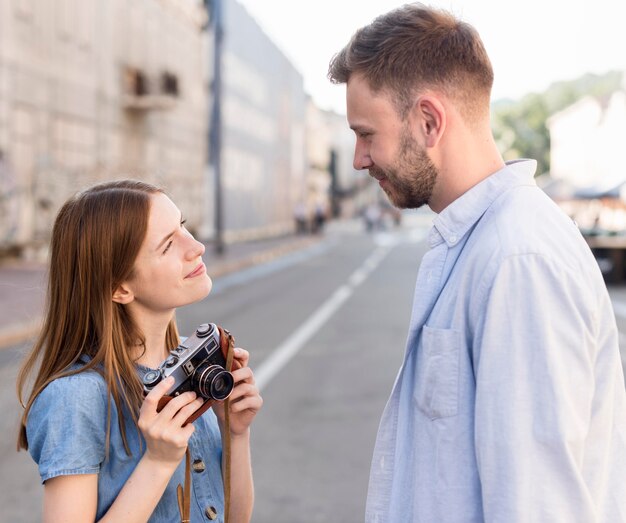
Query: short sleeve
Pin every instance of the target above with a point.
(66, 426)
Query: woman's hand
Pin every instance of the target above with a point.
(165, 432)
(245, 400)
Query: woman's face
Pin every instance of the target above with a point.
(168, 271)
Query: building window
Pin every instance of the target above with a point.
(169, 84)
(135, 82)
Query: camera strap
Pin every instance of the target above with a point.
(227, 343)
(227, 338)
(184, 493)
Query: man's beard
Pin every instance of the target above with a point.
(411, 180)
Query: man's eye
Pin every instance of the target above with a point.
(167, 247)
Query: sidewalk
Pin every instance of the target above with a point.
(23, 284)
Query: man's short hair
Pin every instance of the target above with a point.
(416, 47)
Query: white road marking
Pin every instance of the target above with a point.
(274, 363)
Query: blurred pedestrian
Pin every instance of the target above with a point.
(510, 404)
(319, 218)
(300, 217)
(121, 262)
(373, 217)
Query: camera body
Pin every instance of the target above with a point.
(197, 364)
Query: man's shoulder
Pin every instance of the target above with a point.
(525, 220)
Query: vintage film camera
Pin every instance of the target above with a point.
(197, 364)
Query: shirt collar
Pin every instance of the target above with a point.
(453, 223)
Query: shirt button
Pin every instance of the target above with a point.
(452, 239)
(211, 513)
(198, 465)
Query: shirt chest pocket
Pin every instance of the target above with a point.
(437, 389)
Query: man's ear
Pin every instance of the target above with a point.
(430, 118)
(123, 294)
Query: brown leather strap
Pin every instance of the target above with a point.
(184, 493)
(227, 337)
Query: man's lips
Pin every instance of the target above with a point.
(200, 269)
(379, 176)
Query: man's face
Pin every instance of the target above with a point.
(386, 147)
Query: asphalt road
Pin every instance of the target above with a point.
(326, 329)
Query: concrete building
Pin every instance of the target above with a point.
(263, 137)
(332, 180)
(93, 90)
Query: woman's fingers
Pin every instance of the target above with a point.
(171, 411)
(247, 403)
(243, 375)
(241, 355)
(151, 401)
(242, 390)
(183, 414)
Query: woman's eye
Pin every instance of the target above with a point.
(167, 247)
(182, 223)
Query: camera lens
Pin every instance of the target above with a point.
(213, 382)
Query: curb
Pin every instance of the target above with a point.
(22, 332)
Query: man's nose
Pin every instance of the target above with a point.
(362, 159)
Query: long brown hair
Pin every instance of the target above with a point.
(95, 241)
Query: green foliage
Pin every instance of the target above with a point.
(520, 126)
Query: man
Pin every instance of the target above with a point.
(510, 404)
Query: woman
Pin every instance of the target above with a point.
(121, 262)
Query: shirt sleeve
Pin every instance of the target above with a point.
(534, 392)
(66, 426)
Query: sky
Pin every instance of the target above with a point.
(531, 43)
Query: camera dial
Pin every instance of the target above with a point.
(203, 330)
(171, 361)
(213, 382)
(151, 378)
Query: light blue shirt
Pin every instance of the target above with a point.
(510, 405)
(66, 433)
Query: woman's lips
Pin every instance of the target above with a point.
(200, 269)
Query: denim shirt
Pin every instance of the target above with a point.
(510, 405)
(66, 432)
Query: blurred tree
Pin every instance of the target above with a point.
(520, 126)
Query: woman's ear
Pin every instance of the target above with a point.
(123, 294)
(430, 116)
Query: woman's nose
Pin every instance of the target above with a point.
(195, 248)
